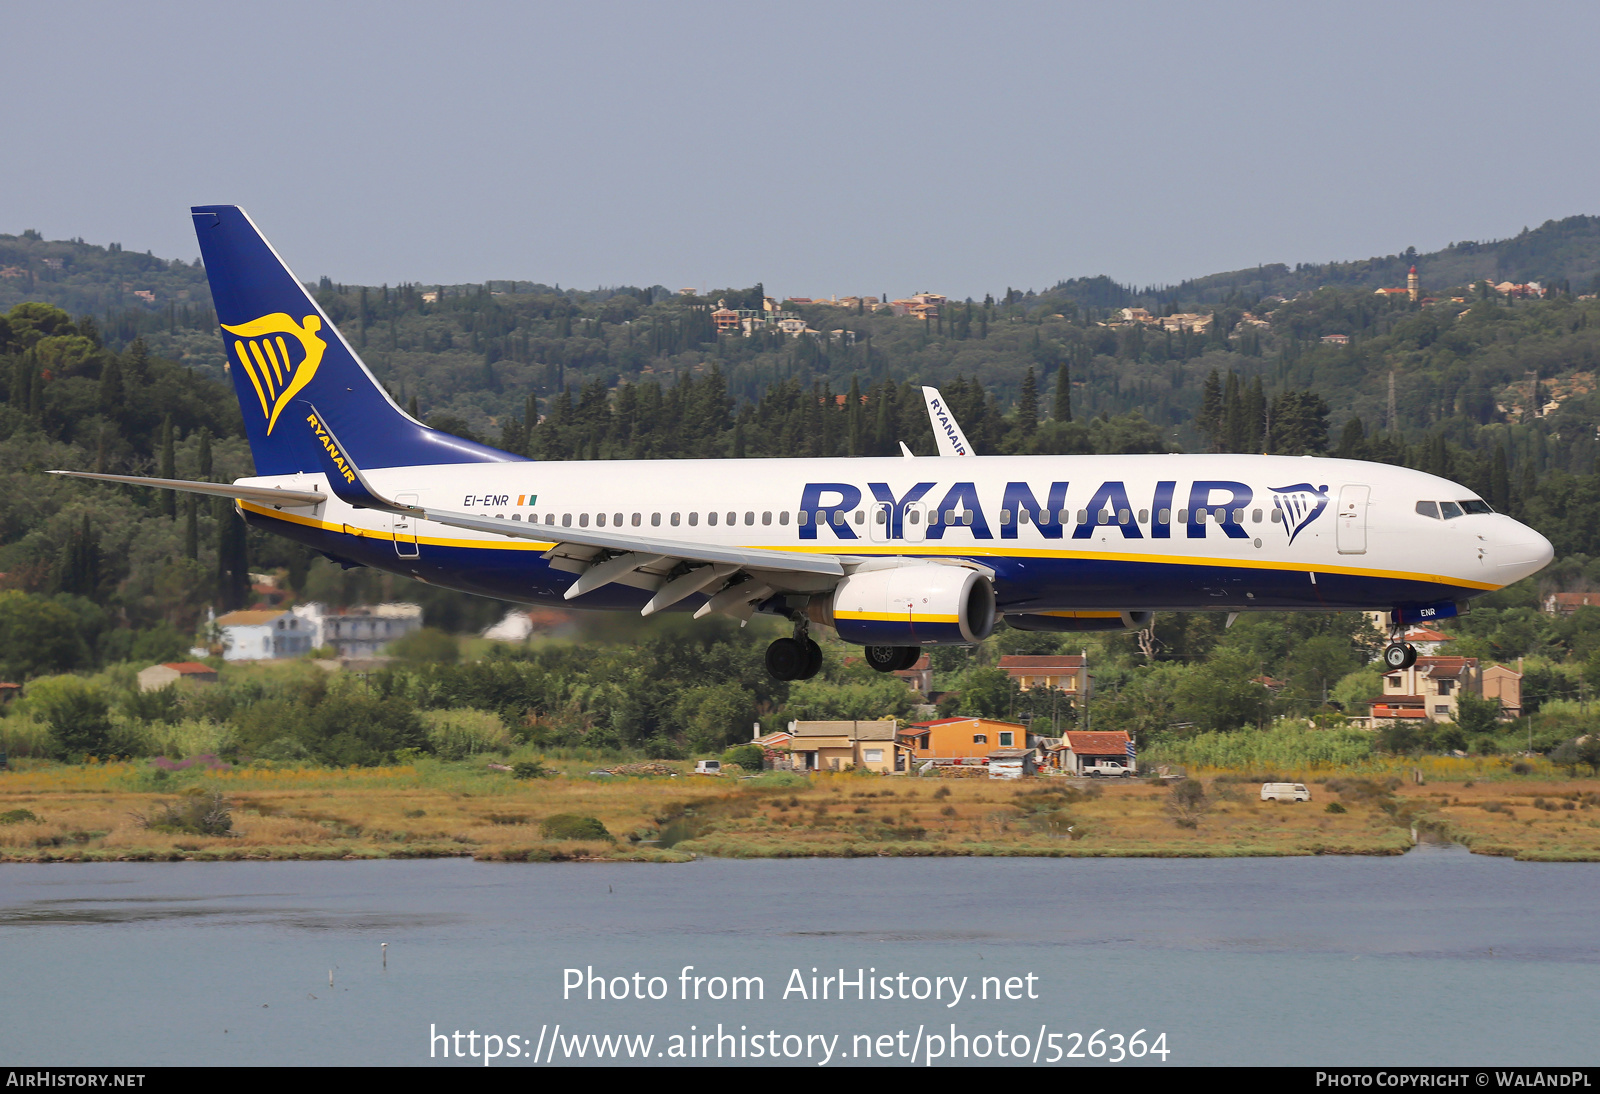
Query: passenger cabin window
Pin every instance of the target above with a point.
(675, 520)
(802, 518)
(600, 520)
(783, 517)
(637, 517)
(655, 520)
(566, 520)
(583, 520)
(616, 519)
(711, 519)
(1428, 509)
(694, 519)
(733, 518)
(1164, 516)
(1277, 516)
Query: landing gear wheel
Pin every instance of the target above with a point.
(813, 659)
(1394, 655)
(789, 660)
(885, 658)
(909, 656)
(1411, 656)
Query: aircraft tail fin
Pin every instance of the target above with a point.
(283, 351)
(946, 430)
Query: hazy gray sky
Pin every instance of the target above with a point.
(818, 147)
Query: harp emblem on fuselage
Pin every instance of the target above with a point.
(1300, 504)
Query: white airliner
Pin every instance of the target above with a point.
(893, 553)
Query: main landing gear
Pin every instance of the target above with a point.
(1398, 654)
(893, 658)
(797, 658)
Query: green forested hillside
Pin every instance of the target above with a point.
(1498, 393)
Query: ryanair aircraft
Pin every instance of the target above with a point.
(893, 554)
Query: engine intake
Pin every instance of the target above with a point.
(927, 605)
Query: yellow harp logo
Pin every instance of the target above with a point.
(280, 356)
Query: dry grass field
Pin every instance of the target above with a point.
(106, 812)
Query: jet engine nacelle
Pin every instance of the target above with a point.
(926, 605)
(1063, 622)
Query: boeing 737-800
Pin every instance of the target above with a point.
(893, 554)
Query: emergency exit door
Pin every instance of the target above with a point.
(1352, 519)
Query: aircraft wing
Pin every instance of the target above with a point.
(738, 577)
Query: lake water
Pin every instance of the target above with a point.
(1435, 957)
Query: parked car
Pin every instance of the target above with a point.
(708, 767)
(1285, 792)
(1107, 769)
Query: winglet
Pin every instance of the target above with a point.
(344, 477)
(906, 452)
(946, 431)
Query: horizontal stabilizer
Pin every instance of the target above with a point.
(261, 495)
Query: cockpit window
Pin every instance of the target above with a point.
(1473, 505)
(1428, 509)
(1450, 509)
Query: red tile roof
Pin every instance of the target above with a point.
(1095, 743)
(1028, 661)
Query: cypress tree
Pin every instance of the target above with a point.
(1028, 404)
(1233, 416)
(191, 529)
(169, 499)
(1210, 419)
(1063, 411)
(1499, 480)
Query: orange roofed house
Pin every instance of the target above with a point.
(1427, 691)
(970, 739)
(157, 677)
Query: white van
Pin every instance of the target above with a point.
(1285, 792)
(708, 767)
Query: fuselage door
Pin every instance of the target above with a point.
(1352, 518)
(914, 523)
(878, 517)
(404, 526)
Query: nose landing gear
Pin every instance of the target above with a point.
(1398, 654)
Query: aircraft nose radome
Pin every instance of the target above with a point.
(1522, 552)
